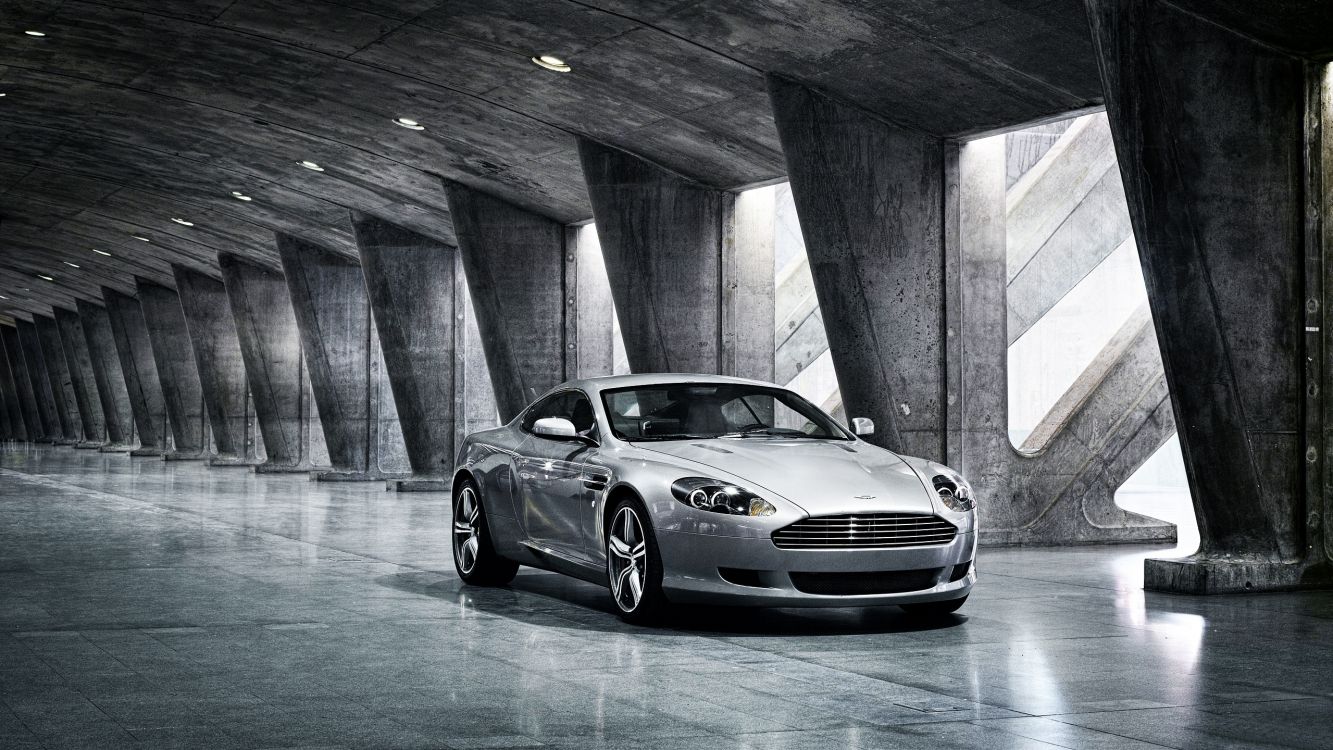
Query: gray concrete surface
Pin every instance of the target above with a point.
(58, 377)
(79, 362)
(135, 351)
(38, 383)
(108, 377)
(20, 408)
(178, 372)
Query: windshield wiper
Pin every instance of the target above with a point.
(767, 431)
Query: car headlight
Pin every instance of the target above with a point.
(954, 492)
(720, 497)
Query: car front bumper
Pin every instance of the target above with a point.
(693, 562)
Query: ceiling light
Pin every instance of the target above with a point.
(2, 93)
(240, 196)
(183, 222)
(312, 166)
(71, 265)
(3, 296)
(142, 239)
(102, 252)
(44, 277)
(552, 63)
(35, 33)
(409, 124)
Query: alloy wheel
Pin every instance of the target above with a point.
(467, 529)
(627, 558)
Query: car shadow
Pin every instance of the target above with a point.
(541, 598)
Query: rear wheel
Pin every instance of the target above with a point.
(634, 564)
(474, 554)
(934, 609)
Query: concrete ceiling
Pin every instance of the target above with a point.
(131, 112)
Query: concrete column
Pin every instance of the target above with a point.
(346, 370)
(681, 284)
(108, 379)
(275, 366)
(17, 427)
(592, 328)
(62, 386)
(217, 355)
(870, 198)
(80, 364)
(135, 352)
(410, 282)
(515, 267)
(39, 382)
(474, 397)
(1225, 155)
(177, 370)
(17, 370)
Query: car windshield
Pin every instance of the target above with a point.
(686, 411)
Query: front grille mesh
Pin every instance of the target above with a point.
(865, 531)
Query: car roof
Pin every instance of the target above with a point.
(611, 382)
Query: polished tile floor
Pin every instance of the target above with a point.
(145, 603)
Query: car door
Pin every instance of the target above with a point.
(553, 498)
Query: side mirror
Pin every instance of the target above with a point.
(556, 428)
(863, 426)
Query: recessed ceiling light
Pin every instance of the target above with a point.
(141, 239)
(183, 222)
(102, 252)
(552, 63)
(312, 166)
(240, 196)
(45, 277)
(71, 265)
(409, 124)
(35, 33)
(3, 296)
(2, 93)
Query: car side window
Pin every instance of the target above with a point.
(571, 405)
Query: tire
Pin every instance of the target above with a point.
(474, 554)
(934, 609)
(634, 564)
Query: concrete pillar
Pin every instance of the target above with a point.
(870, 198)
(275, 366)
(108, 378)
(410, 282)
(135, 351)
(14, 407)
(62, 386)
(474, 397)
(177, 370)
(29, 412)
(39, 383)
(592, 326)
(515, 266)
(217, 356)
(689, 298)
(346, 369)
(80, 365)
(1226, 157)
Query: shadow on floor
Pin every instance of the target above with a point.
(538, 597)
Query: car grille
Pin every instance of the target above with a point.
(865, 584)
(865, 530)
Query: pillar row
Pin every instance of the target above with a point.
(177, 370)
(38, 383)
(135, 352)
(29, 410)
(14, 407)
(58, 377)
(108, 377)
(80, 365)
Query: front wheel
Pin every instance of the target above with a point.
(634, 564)
(474, 554)
(934, 609)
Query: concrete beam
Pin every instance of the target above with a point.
(29, 412)
(58, 376)
(135, 351)
(177, 370)
(870, 200)
(15, 426)
(1243, 350)
(112, 392)
(80, 364)
(39, 382)
(333, 316)
(514, 261)
(275, 366)
(410, 282)
(217, 355)
(689, 297)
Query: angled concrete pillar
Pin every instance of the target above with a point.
(1225, 152)
(689, 298)
(58, 376)
(217, 356)
(29, 410)
(15, 408)
(515, 266)
(80, 364)
(870, 198)
(135, 352)
(177, 370)
(108, 377)
(275, 366)
(410, 282)
(346, 369)
(474, 396)
(38, 381)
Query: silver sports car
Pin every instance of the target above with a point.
(699, 488)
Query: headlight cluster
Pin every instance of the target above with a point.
(719, 497)
(954, 492)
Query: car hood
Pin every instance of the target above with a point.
(819, 476)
